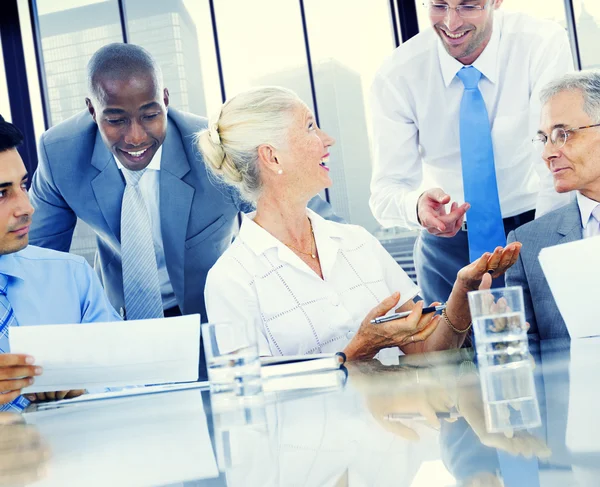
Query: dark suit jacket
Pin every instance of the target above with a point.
(557, 227)
(78, 178)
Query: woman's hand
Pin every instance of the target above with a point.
(469, 278)
(371, 338)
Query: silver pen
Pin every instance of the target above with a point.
(404, 314)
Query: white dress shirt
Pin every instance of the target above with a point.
(415, 103)
(259, 279)
(149, 186)
(591, 226)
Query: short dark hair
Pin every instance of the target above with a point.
(10, 136)
(120, 61)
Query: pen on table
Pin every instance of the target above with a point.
(404, 314)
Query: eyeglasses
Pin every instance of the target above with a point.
(558, 137)
(463, 11)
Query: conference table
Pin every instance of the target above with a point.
(421, 421)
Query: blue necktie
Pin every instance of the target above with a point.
(517, 471)
(486, 230)
(7, 319)
(141, 285)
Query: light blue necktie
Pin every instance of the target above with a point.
(141, 285)
(7, 319)
(485, 230)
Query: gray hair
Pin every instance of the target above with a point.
(246, 121)
(121, 61)
(586, 82)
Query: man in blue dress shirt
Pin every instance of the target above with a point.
(37, 286)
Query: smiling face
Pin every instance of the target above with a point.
(465, 39)
(15, 209)
(303, 160)
(132, 117)
(576, 166)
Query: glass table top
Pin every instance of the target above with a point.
(439, 419)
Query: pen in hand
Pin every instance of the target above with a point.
(404, 314)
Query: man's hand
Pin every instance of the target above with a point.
(471, 277)
(16, 372)
(431, 210)
(54, 396)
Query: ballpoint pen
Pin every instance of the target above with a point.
(404, 314)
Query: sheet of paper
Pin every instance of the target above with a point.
(116, 354)
(159, 439)
(572, 271)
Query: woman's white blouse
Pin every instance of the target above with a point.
(259, 279)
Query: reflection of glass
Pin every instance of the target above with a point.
(509, 397)
(499, 323)
(232, 358)
(243, 445)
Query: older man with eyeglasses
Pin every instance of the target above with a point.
(453, 110)
(569, 141)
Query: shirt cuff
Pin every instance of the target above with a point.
(410, 209)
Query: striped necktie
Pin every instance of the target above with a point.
(486, 230)
(141, 286)
(7, 319)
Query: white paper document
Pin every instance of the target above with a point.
(116, 354)
(572, 271)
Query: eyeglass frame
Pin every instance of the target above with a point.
(480, 9)
(541, 136)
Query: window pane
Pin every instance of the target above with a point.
(587, 14)
(262, 43)
(71, 31)
(345, 57)
(4, 100)
(179, 35)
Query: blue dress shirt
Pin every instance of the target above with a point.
(46, 287)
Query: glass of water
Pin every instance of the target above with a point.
(232, 358)
(499, 324)
(509, 396)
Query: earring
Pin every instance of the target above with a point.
(280, 171)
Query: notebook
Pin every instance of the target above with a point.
(300, 364)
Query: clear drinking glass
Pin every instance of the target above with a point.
(499, 324)
(232, 358)
(509, 397)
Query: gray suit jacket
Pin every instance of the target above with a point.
(77, 177)
(557, 227)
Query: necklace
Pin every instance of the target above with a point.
(312, 252)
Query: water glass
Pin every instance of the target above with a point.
(232, 358)
(499, 324)
(509, 397)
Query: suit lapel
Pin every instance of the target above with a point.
(175, 206)
(108, 186)
(570, 225)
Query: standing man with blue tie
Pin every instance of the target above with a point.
(453, 112)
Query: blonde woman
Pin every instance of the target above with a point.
(308, 284)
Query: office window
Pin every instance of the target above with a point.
(4, 100)
(178, 33)
(587, 17)
(70, 32)
(262, 43)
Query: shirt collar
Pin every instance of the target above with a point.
(486, 63)
(9, 266)
(154, 163)
(259, 240)
(586, 206)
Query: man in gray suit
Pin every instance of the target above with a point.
(90, 167)
(569, 140)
